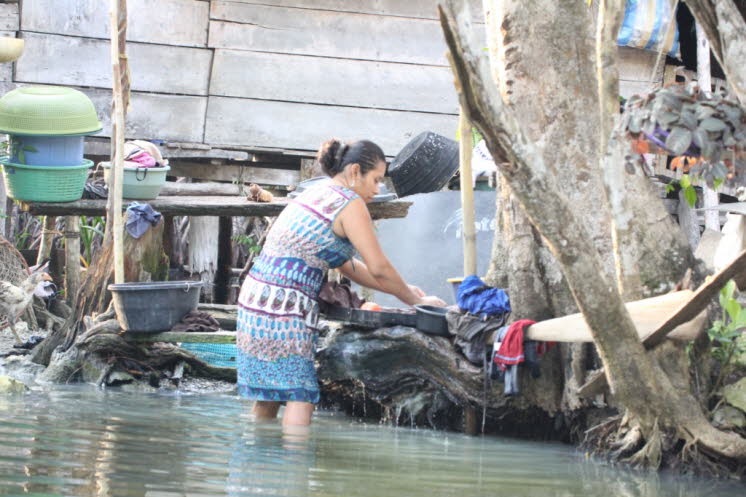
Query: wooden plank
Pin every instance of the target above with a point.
(172, 188)
(168, 22)
(178, 337)
(647, 314)
(241, 173)
(201, 206)
(151, 115)
(306, 126)
(425, 9)
(629, 88)
(687, 311)
(66, 60)
(266, 28)
(357, 83)
(9, 18)
(636, 64)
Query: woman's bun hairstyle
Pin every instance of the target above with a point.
(334, 156)
(330, 156)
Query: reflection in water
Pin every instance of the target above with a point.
(261, 459)
(85, 442)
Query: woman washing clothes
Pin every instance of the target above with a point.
(277, 308)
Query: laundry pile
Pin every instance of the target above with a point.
(141, 153)
(485, 311)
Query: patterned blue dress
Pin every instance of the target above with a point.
(277, 307)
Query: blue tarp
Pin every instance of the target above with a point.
(645, 26)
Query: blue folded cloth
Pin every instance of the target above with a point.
(139, 218)
(476, 297)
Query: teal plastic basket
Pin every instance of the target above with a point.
(45, 183)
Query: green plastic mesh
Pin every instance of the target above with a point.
(216, 354)
(45, 183)
(47, 110)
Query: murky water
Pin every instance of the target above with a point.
(79, 441)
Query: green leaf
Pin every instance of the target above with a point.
(717, 182)
(685, 181)
(728, 290)
(670, 187)
(678, 140)
(29, 148)
(690, 195)
(712, 124)
(733, 308)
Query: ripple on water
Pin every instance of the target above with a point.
(86, 442)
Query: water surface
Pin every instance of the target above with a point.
(79, 441)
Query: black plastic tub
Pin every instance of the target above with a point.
(153, 306)
(425, 164)
(432, 320)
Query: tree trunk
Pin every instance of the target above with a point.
(726, 30)
(636, 380)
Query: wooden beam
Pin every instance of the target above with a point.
(201, 206)
(686, 312)
(174, 189)
(186, 336)
(241, 173)
(647, 315)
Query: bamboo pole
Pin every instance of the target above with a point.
(711, 197)
(72, 258)
(47, 237)
(120, 90)
(467, 197)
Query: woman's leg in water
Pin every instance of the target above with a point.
(264, 409)
(298, 413)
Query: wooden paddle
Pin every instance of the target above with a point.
(686, 312)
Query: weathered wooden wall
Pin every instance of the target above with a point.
(279, 74)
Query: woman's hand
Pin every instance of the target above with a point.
(417, 291)
(431, 300)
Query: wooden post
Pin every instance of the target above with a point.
(224, 274)
(467, 197)
(120, 92)
(168, 238)
(711, 197)
(4, 232)
(688, 221)
(47, 238)
(471, 427)
(72, 258)
(8, 221)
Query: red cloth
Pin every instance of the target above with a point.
(511, 348)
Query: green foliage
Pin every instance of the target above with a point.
(249, 242)
(710, 130)
(685, 183)
(725, 332)
(90, 228)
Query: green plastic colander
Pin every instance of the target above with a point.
(45, 183)
(47, 110)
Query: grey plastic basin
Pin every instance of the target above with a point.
(153, 306)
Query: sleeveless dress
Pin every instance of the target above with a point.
(277, 307)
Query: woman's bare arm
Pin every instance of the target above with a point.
(354, 223)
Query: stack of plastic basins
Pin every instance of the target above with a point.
(43, 158)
